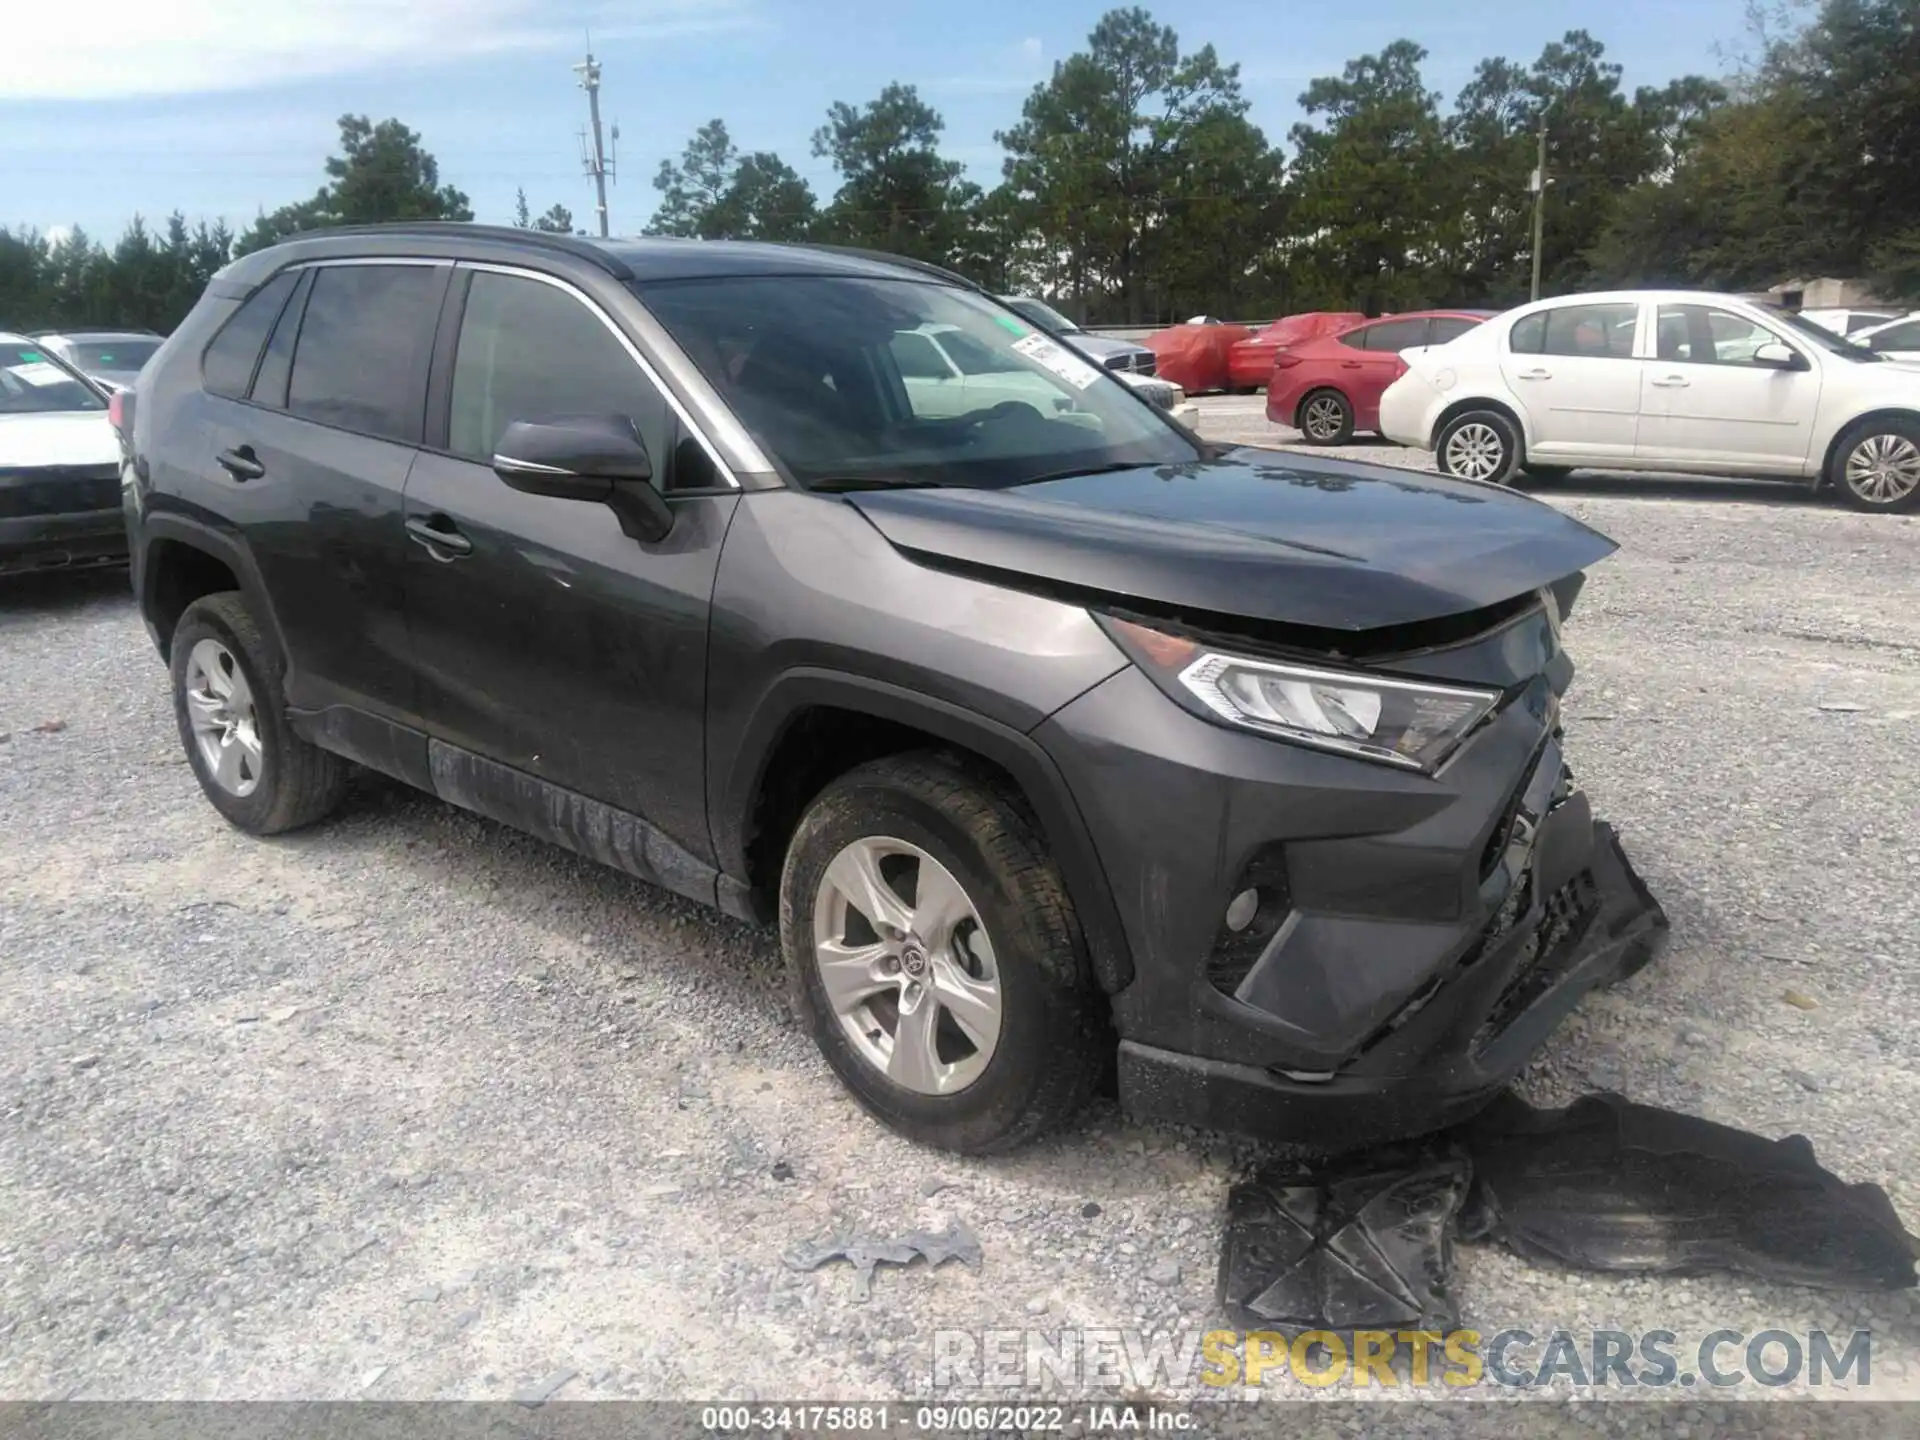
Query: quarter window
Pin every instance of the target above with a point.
(360, 362)
(916, 357)
(531, 351)
(228, 364)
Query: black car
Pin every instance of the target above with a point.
(59, 465)
(1044, 731)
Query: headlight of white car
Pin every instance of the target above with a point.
(1410, 723)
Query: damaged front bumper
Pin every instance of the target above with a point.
(1596, 927)
(1416, 937)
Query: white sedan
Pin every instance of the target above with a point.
(1894, 340)
(1664, 380)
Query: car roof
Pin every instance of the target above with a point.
(641, 260)
(91, 334)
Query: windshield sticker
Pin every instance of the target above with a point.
(39, 372)
(1057, 358)
(1009, 324)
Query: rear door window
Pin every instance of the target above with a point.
(1393, 336)
(1587, 331)
(1450, 327)
(227, 367)
(1898, 337)
(361, 360)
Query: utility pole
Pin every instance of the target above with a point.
(1540, 183)
(593, 156)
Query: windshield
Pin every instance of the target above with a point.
(32, 380)
(1819, 334)
(112, 354)
(1043, 315)
(850, 382)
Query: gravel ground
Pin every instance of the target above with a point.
(409, 1106)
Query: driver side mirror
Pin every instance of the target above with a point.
(1776, 356)
(587, 457)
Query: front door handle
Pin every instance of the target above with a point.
(1671, 382)
(1536, 374)
(438, 537)
(1349, 364)
(241, 463)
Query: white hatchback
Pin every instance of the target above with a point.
(1663, 380)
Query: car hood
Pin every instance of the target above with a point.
(57, 437)
(1102, 347)
(1330, 544)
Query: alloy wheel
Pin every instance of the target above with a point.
(1323, 418)
(1475, 451)
(907, 966)
(1884, 469)
(220, 710)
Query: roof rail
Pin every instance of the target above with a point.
(574, 245)
(905, 262)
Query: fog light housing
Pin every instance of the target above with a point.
(1241, 909)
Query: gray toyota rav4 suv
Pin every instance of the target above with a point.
(1061, 746)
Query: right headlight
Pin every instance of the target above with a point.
(1410, 723)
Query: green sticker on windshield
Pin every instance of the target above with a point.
(31, 357)
(1009, 324)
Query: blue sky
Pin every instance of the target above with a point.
(223, 107)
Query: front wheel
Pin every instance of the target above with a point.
(1878, 466)
(934, 956)
(1480, 445)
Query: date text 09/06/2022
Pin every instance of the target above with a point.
(1093, 1418)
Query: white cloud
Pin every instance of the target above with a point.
(130, 48)
(1017, 67)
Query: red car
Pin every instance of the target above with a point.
(1330, 386)
(1250, 362)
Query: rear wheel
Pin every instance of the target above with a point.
(233, 722)
(1877, 466)
(1479, 445)
(934, 956)
(1326, 418)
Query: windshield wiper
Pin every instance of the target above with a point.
(1074, 474)
(838, 484)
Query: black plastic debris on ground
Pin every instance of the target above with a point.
(865, 1252)
(1606, 1184)
(1365, 1242)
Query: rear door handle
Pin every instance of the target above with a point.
(1349, 364)
(241, 463)
(1536, 374)
(1671, 382)
(439, 537)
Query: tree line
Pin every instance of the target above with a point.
(1134, 187)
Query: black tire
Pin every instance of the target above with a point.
(1338, 433)
(1900, 437)
(1506, 460)
(1054, 1038)
(1546, 474)
(296, 783)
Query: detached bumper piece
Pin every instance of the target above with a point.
(1580, 918)
(1366, 1242)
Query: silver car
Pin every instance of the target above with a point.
(109, 358)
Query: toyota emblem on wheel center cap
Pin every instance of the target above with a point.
(913, 960)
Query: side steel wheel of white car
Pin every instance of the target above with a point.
(1877, 465)
(233, 722)
(933, 954)
(1479, 445)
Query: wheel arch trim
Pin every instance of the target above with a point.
(805, 688)
(219, 545)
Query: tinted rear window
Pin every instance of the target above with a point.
(229, 361)
(361, 359)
